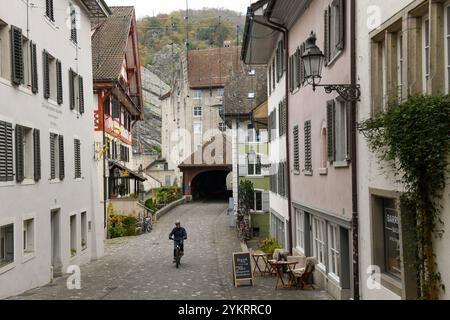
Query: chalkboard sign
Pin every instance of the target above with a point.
(242, 268)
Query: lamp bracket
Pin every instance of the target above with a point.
(348, 92)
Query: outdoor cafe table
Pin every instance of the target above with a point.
(257, 256)
(278, 266)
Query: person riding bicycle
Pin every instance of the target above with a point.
(178, 233)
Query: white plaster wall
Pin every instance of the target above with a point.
(20, 106)
(369, 173)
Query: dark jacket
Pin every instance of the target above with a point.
(178, 233)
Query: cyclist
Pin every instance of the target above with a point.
(178, 233)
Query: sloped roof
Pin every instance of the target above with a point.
(109, 43)
(222, 154)
(213, 67)
(236, 95)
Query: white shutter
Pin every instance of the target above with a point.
(265, 201)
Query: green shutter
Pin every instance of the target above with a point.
(19, 135)
(17, 72)
(81, 94)
(61, 157)
(34, 72)
(59, 82)
(331, 112)
(46, 74)
(37, 154)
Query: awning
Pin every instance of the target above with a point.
(125, 172)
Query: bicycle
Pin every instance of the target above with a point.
(178, 253)
(144, 225)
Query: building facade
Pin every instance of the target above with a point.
(404, 53)
(50, 216)
(119, 105)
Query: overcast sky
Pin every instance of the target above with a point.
(150, 7)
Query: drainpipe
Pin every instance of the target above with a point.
(355, 215)
(280, 28)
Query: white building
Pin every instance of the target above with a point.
(50, 215)
(395, 42)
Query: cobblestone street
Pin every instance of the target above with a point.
(141, 267)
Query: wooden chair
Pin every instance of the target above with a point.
(303, 274)
(301, 261)
(275, 258)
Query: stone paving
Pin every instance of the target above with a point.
(141, 267)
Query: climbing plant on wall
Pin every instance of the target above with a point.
(413, 138)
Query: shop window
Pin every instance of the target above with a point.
(28, 236)
(73, 235)
(6, 245)
(84, 231)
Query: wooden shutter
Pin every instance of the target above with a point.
(6, 152)
(59, 82)
(331, 127)
(37, 154)
(341, 43)
(49, 9)
(17, 72)
(270, 80)
(77, 153)
(115, 109)
(349, 129)
(301, 65)
(308, 147)
(291, 69)
(73, 24)
(61, 157)
(81, 94)
(326, 46)
(34, 72)
(296, 149)
(46, 74)
(72, 89)
(20, 158)
(266, 201)
(52, 156)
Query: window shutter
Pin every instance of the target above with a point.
(327, 35)
(301, 65)
(341, 43)
(37, 154)
(6, 152)
(115, 108)
(243, 170)
(52, 156)
(73, 24)
(308, 147)
(291, 69)
(61, 157)
(34, 72)
(19, 132)
(77, 147)
(59, 82)
(81, 99)
(49, 10)
(296, 149)
(72, 89)
(17, 72)
(270, 80)
(46, 75)
(331, 112)
(265, 201)
(349, 129)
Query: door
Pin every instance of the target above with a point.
(55, 243)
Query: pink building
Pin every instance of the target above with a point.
(318, 130)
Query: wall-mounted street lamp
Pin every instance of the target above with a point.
(314, 60)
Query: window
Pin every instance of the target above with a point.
(52, 78)
(73, 236)
(282, 117)
(84, 231)
(251, 95)
(76, 89)
(279, 56)
(197, 94)
(49, 10)
(272, 125)
(308, 148)
(254, 164)
(282, 179)
(447, 44)
(319, 245)
(341, 131)
(426, 54)
(167, 181)
(197, 111)
(222, 127)
(333, 251)
(56, 157)
(5, 63)
(296, 150)
(277, 230)
(273, 74)
(23, 58)
(269, 77)
(300, 230)
(6, 245)
(252, 72)
(73, 23)
(400, 68)
(220, 92)
(28, 236)
(254, 135)
(258, 201)
(25, 144)
(6, 152)
(77, 158)
(334, 29)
